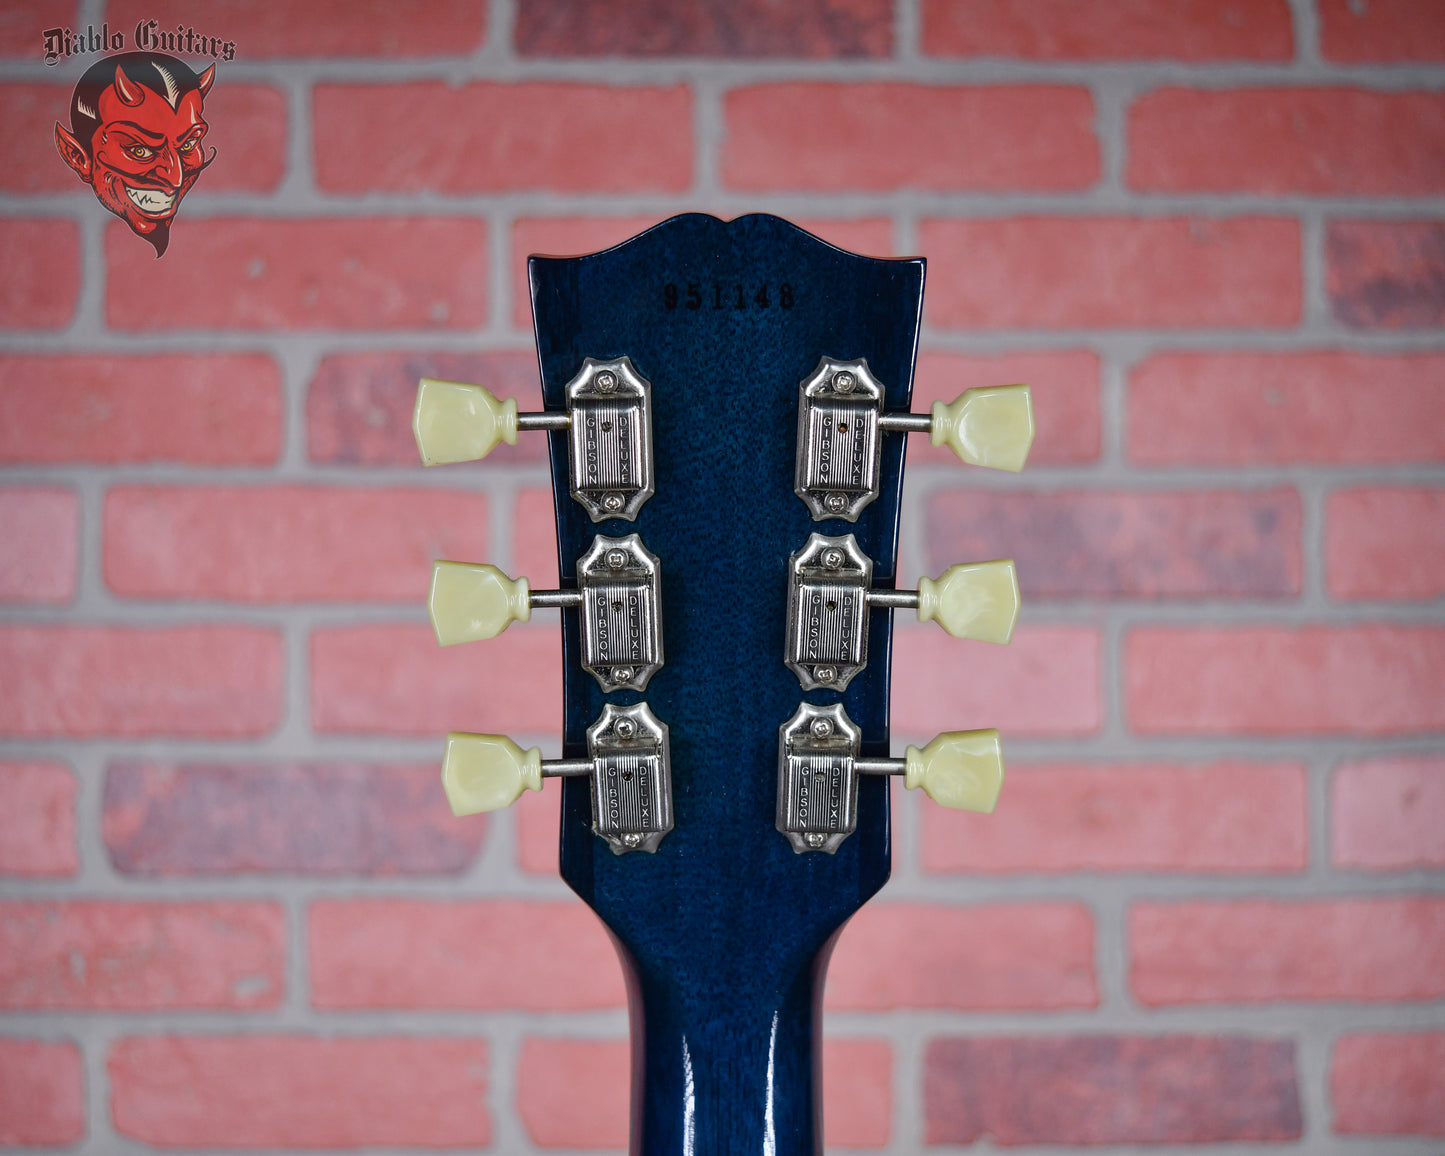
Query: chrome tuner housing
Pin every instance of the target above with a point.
(621, 612)
(610, 462)
(827, 642)
(818, 778)
(631, 778)
(837, 457)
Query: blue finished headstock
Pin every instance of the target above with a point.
(726, 929)
(680, 373)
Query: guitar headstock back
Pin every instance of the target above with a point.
(725, 320)
(726, 403)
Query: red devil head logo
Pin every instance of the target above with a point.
(135, 137)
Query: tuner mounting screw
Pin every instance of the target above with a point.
(832, 558)
(625, 728)
(843, 381)
(621, 674)
(837, 503)
(815, 839)
(821, 728)
(607, 381)
(613, 502)
(616, 559)
(632, 840)
(825, 673)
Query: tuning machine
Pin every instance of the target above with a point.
(618, 593)
(840, 420)
(819, 765)
(608, 420)
(829, 594)
(627, 761)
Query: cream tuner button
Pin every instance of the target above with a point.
(976, 600)
(469, 601)
(960, 769)
(991, 426)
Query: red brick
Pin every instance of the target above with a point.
(1339, 141)
(42, 1095)
(1386, 274)
(1110, 1090)
(300, 818)
(574, 1093)
(1263, 951)
(287, 543)
(1382, 30)
(1385, 814)
(1192, 30)
(534, 537)
(1093, 543)
(95, 955)
(1373, 680)
(817, 29)
(537, 821)
(1286, 408)
(1112, 272)
(28, 115)
(394, 679)
(573, 236)
(219, 681)
(219, 409)
(359, 407)
(564, 138)
(1065, 389)
(39, 528)
(386, 28)
(264, 1091)
(1056, 818)
(1385, 543)
(37, 831)
(41, 260)
(22, 24)
(247, 126)
(1389, 1084)
(1045, 682)
(415, 953)
(269, 274)
(878, 137)
(994, 957)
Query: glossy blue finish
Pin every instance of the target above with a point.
(725, 932)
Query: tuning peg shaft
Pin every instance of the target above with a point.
(989, 426)
(455, 422)
(974, 600)
(473, 600)
(959, 769)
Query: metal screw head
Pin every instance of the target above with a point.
(616, 559)
(625, 727)
(825, 673)
(607, 381)
(622, 674)
(843, 381)
(612, 502)
(821, 728)
(632, 840)
(836, 502)
(814, 839)
(832, 557)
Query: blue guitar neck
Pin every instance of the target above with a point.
(724, 931)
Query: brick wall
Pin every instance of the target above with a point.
(1211, 905)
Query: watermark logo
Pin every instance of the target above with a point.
(136, 137)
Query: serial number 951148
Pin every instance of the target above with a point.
(716, 295)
